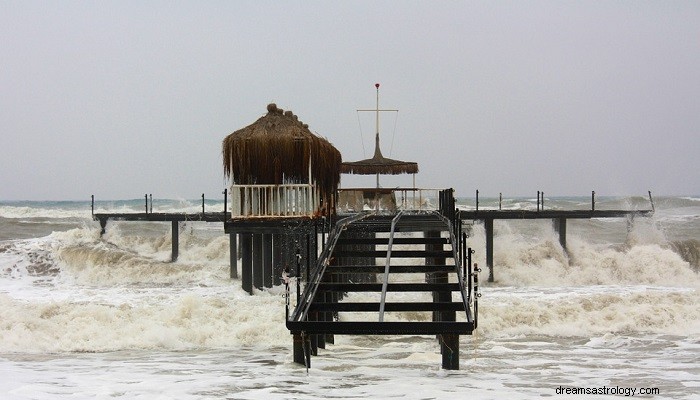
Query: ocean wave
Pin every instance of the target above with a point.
(689, 250)
(649, 310)
(189, 322)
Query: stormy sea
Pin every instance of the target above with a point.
(90, 316)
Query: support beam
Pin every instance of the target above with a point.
(560, 228)
(449, 345)
(258, 261)
(267, 260)
(103, 225)
(233, 255)
(277, 261)
(488, 227)
(247, 262)
(437, 277)
(299, 349)
(175, 239)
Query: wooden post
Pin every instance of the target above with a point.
(258, 261)
(267, 260)
(449, 344)
(560, 228)
(277, 260)
(175, 240)
(246, 262)
(299, 349)
(437, 277)
(233, 255)
(488, 226)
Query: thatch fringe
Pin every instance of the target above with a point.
(277, 149)
(378, 164)
(386, 167)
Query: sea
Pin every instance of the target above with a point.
(90, 316)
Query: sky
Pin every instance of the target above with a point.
(121, 98)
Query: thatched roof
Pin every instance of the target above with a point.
(378, 164)
(276, 149)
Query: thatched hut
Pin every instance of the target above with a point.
(275, 150)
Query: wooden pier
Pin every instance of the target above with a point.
(559, 219)
(173, 218)
(293, 225)
(334, 257)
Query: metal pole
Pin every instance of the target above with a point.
(500, 201)
(202, 204)
(477, 200)
(92, 207)
(145, 196)
(542, 201)
(652, 202)
(538, 200)
(593, 200)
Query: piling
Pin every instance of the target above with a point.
(449, 346)
(560, 228)
(488, 227)
(258, 261)
(233, 255)
(246, 262)
(267, 259)
(175, 239)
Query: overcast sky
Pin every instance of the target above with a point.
(123, 98)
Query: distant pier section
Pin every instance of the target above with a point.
(558, 217)
(173, 218)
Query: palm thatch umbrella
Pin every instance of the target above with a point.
(378, 164)
(280, 149)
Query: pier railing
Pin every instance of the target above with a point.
(274, 201)
(351, 200)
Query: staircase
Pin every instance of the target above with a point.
(401, 274)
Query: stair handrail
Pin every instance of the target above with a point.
(302, 309)
(387, 265)
(460, 275)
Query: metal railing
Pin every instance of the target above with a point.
(274, 201)
(352, 200)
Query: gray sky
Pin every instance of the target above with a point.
(122, 98)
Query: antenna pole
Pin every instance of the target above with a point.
(376, 85)
(377, 119)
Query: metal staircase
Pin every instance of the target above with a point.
(403, 274)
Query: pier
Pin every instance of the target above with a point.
(558, 217)
(173, 218)
(404, 249)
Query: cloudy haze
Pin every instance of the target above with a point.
(122, 98)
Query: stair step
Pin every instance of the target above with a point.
(369, 307)
(394, 253)
(391, 287)
(381, 328)
(380, 240)
(394, 269)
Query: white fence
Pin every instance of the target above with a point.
(270, 201)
